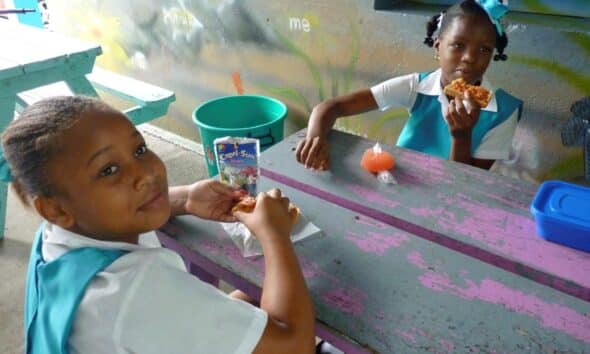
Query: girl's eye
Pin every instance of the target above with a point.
(486, 49)
(108, 171)
(142, 149)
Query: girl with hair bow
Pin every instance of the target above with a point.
(465, 39)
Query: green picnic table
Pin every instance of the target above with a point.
(36, 63)
(446, 261)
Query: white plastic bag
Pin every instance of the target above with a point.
(249, 245)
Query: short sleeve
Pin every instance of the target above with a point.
(396, 92)
(497, 142)
(167, 310)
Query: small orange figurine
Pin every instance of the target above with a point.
(376, 160)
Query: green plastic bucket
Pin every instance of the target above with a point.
(250, 116)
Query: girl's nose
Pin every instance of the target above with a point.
(469, 55)
(145, 176)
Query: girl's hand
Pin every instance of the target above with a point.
(270, 220)
(462, 117)
(213, 200)
(314, 153)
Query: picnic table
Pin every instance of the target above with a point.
(445, 261)
(36, 63)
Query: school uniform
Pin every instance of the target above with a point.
(90, 296)
(427, 130)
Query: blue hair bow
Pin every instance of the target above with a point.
(5, 175)
(495, 10)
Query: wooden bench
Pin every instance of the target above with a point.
(149, 101)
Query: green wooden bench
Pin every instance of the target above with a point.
(149, 101)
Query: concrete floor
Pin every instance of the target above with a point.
(185, 163)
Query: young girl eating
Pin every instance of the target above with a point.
(99, 281)
(454, 128)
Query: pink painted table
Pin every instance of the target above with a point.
(446, 261)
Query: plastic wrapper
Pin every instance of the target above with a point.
(386, 177)
(249, 245)
(380, 163)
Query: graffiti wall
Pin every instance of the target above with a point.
(305, 51)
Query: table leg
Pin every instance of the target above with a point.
(338, 341)
(7, 105)
(81, 86)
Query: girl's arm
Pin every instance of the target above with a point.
(207, 199)
(461, 119)
(461, 152)
(324, 114)
(178, 196)
(312, 151)
(285, 297)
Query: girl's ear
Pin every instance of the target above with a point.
(436, 46)
(52, 210)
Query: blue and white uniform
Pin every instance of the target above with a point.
(427, 130)
(91, 296)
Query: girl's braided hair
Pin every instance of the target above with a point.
(465, 7)
(32, 141)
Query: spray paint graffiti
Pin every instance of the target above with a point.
(193, 47)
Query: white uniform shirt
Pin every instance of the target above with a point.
(146, 302)
(402, 91)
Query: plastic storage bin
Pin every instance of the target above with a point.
(562, 214)
(250, 116)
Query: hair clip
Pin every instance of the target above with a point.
(495, 10)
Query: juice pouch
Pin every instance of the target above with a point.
(237, 162)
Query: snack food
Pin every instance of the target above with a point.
(248, 203)
(376, 160)
(458, 87)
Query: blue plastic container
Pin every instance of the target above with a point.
(562, 214)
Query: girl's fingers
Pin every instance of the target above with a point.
(275, 193)
(302, 150)
(298, 149)
(240, 215)
(286, 202)
(451, 114)
(229, 218)
(461, 111)
(225, 189)
(313, 152)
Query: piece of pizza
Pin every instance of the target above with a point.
(458, 87)
(248, 203)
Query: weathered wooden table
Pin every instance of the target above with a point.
(446, 261)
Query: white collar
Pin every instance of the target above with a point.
(58, 241)
(431, 86)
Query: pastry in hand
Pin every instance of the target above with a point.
(458, 87)
(248, 203)
(245, 205)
